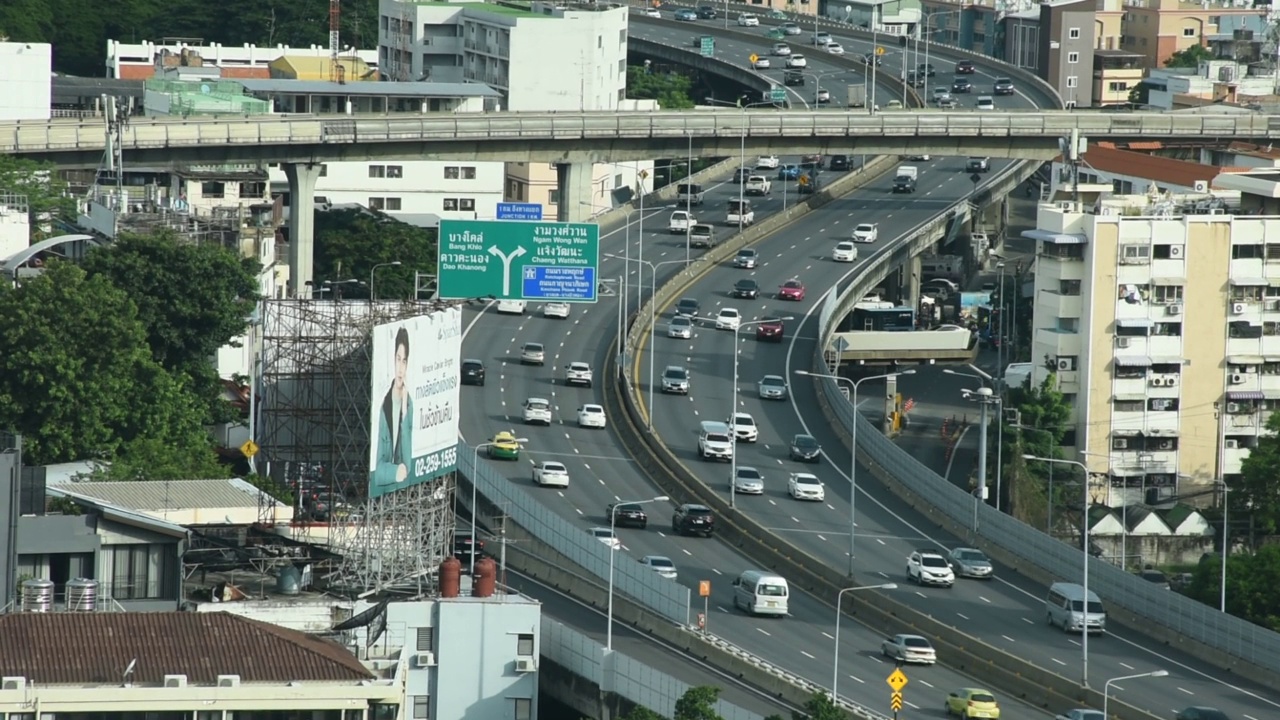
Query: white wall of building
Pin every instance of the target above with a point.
(26, 81)
(453, 190)
(15, 224)
(125, 60)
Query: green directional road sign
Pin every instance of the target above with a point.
(507, 260)
(777, 94)
(707, 46)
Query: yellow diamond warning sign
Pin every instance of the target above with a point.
(897, 681)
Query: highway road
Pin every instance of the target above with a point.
(1007, 613)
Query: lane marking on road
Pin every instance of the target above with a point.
(828, 635)
(855, 678)
(1029, 621)
(1126, 666)
(802, 652)
(1182, 689)
(963, 616)
(763, 631)
(1006, 637)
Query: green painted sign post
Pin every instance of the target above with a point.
(508, 260)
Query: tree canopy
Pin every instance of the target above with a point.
(1252, 578)
(698, 703)
(1043, 414)
(78, 380)
(1189, 58)
(45, 192)
(1257, 492)
(350, 243)
(671, 90)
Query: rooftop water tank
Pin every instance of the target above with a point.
(82, 595)
(289, 581)
(37, 595)
(450, 577)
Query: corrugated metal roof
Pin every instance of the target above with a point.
(1179, 173)
(90, 648)
(386, 89)
(169, 494)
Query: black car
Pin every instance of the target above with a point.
(805, 448)
(692, 519)
(746, 288)
(873, 59)
(966, 67)
(706, 12)
(741, 174)
(793, 78)
(1002, 86)
(625, 515)
(688, 307)
(926, 69)
(462, 548)
(1201, 713)
(472, 372)
(961, 85)
(839, 162)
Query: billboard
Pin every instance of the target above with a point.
(414, 413)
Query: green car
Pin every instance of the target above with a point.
(776, 34)
(504, 446)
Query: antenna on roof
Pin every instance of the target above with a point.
(128, 672)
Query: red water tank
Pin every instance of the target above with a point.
(450, 577)
(485, 579)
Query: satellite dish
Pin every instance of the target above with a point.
(205, 89)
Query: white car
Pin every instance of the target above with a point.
(986, 102)
(680, 327)
(661, 565)
(806, 486)
(930, 568)
(592, 416)
(556, 310)
(768, 162)
(797, 61)
(537, 411)
(909, 649)
(533, 353)
(866, 233)
(578, 373)
(728, 319)
(834, 48)
(748, 20)
(761, 63)
(781, 50)
(845, 252)
(791, 29)
(511, 307)
(748, 481)
(822, 38)
(652, 12)
(551, 474)
(606, 536)
(744, 426)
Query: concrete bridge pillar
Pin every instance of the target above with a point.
(574, 183)
(302, 225)
(911, 281)
(890, 405)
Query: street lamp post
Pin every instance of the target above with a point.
(336, 285)
(653, 311)
(1084, 526)
(1226, 547)
(985, 397)
(733, 407)
(1106, 689)
(835, 656)
(373, 295)
(475, 470)
(853, 442)
(613, 530)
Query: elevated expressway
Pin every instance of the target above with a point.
(1008, 613)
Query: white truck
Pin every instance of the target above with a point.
(857, 96)
(680, 222)
(740, 213)
(758, 185)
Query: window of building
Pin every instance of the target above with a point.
(213, 189)
(140, 572)
(553, 197)
(452, 172)
(450, 204)
(1271, 328)
(1072, 81)
(468, 172)
(1068, 287)
(523, 708)
(1189, 32)
(324, 171)
(421, 707)
(395, 171)
(617, 180)
(1243, 329)
(1127, 406)
(1166, 294)
(1068, 325)
(1162, 404)
(1246, 293)
(1073, 58)
(252, 189)
(1167, 329)
(524, 644)
(377, 171)
(1271, 252)
(1118, 86)
(1247, 252)
(1135, 254)
(376, 203)
(393, 204)
(1074, 33)
(467, 204)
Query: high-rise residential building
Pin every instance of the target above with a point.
(1065, 48)
(1160, 28)
(1159, 314)
(540, 56)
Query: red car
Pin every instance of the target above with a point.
(791, 290)
(769, 329)
(965, 67)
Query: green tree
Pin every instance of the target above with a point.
(698, 703)
(640, 712)
(349, 243)
(1257, 491)
(671, 90)
(820, 707)
(1189, 58)
(1043, 414)
(78, 381)
(46, 194)
(1251, 581)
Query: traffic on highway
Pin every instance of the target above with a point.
(729, 319)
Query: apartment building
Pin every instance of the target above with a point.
(1171, 373)
(1065, 48)
(1115, 74)
(540, 56)
(1213, 82)
(969, 24)
(1159, 28)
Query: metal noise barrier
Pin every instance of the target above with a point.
(1170, 618)
(668, 599)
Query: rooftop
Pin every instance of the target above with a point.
(161, 495)
(373, 89)
(95, 648)
(1105, 157)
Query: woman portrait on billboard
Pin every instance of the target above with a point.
(394, 460)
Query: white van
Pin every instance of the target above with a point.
(1065, 607)
(761, 593)
(512, 307)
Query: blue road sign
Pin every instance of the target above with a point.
(561, 283)
(519, 211)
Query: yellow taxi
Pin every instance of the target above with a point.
(972, 703)
(504, 446)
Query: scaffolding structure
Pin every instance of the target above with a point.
(314, 434)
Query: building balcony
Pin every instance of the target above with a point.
(1174, 268)
(1056, 343)
(1250, 346)
(441, 46)
(1056, 305)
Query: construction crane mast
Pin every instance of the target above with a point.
(336, 71)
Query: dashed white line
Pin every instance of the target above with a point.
(802, 652)
(1126, 666)
(855, 678)
(828, 635)
(1006, 637)
(762, 631)
(963, 616)
(1058, 661)
(1182, 689)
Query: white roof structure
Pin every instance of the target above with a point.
(186, 502)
